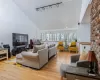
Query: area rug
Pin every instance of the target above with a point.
(13, 62)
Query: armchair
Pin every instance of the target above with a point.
(60, 46)
(75, 61)
(73, 47)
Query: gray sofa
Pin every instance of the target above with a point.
(33, 60)
(75, 61)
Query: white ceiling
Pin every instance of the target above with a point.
(67, 15)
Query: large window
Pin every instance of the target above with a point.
(58, 36)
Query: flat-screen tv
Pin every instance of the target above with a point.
(20, 39)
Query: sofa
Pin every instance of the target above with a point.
(51, 52)
(37, 57)
(75, 61)
(33, 60)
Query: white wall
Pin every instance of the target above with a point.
(13, 20)
(83, 33)
(87, 48)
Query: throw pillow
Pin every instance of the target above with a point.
(50, 46)
(37, 42)
(38, 47)
(83, 57)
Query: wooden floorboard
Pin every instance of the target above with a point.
(49, 72)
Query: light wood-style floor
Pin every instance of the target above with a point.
(48, 72)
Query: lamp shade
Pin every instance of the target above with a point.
(91, 57)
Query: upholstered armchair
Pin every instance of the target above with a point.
(73, 47)
(75, 61)
(60, 46)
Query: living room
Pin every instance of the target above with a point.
(50, 40)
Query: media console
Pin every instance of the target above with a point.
(3, 54)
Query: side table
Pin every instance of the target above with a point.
(3, 54)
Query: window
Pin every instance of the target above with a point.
(62, 37)
(59, 36)
(47, 37)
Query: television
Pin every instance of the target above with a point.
(20, 39)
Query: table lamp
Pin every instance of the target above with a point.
(92, 59)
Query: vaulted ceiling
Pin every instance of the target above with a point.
(86, 18)
(67, 15)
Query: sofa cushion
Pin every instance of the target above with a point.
(73, 64)
(29, 54)
(73, 43)
(38, 47)
(73, 46)
(37, 42)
